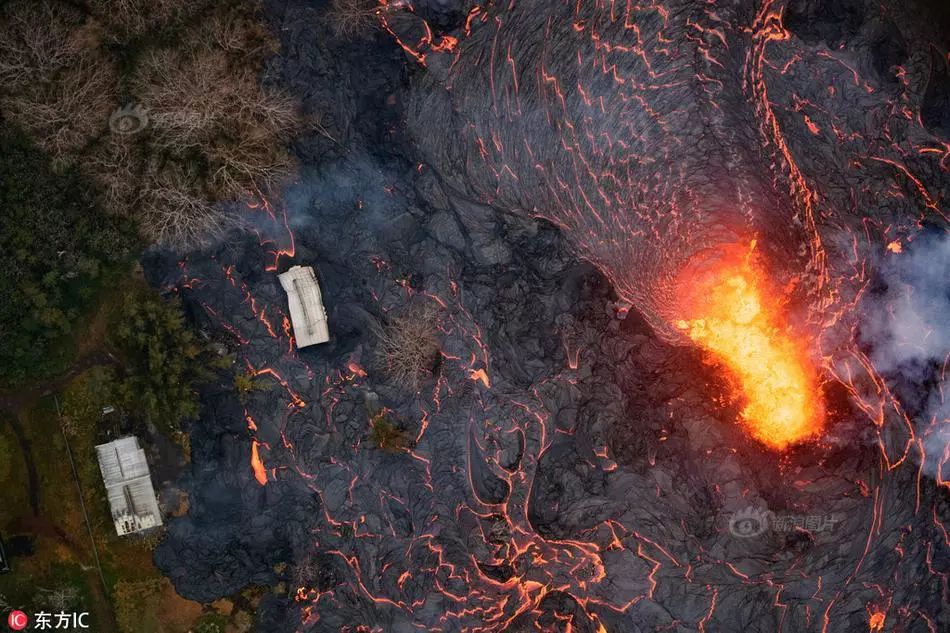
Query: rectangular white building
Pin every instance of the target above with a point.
(128, 485)
(307, 313)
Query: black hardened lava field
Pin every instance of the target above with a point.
(557, 316)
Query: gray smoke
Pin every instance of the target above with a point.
(907, 327)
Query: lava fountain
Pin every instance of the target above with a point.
(647, 134)
(727, 306)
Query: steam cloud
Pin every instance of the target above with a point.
(906, 325)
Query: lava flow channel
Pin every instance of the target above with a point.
(728, 308)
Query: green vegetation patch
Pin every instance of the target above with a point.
(56, 253)
(162, 361)
(211, 623)
(387, 435)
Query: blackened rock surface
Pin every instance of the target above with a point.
(560, 465)
(935, 110)
(825, 21)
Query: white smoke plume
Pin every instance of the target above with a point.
(908, 328)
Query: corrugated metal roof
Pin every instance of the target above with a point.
(128, 485)
(307, 313)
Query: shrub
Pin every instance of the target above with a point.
(211, 623)
(387, 436)
(136, 603)
(244, 384)
(407, 348)
(82, 403)
(353, 18)
(7, 456)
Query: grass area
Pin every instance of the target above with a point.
(12, 472)
(41, 517)
(61, 567)
(60, 556)
(70, 297)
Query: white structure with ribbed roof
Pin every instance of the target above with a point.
(128, 485)
(307, 313)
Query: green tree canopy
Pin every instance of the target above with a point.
(56, 249)
(163, 361)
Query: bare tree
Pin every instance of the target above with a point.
(246, 162)
(208, 131)
(35, 41)
(174, 213)
(58, 84)
(131, 19)
(193, 97)
(407, 347)
(202, 105)
(115, 163)
(200, 101)
(353, 18)
(306, 571)
(61, 598)
(237, 33)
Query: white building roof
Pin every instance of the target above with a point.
(307, 313)
(128, 485)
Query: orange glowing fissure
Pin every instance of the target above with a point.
(876, 622)
(726, 305)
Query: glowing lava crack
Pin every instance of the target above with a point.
(729, 310)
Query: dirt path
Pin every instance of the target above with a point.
(17, 399)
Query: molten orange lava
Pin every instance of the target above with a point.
(727, 307)
(260, 473)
